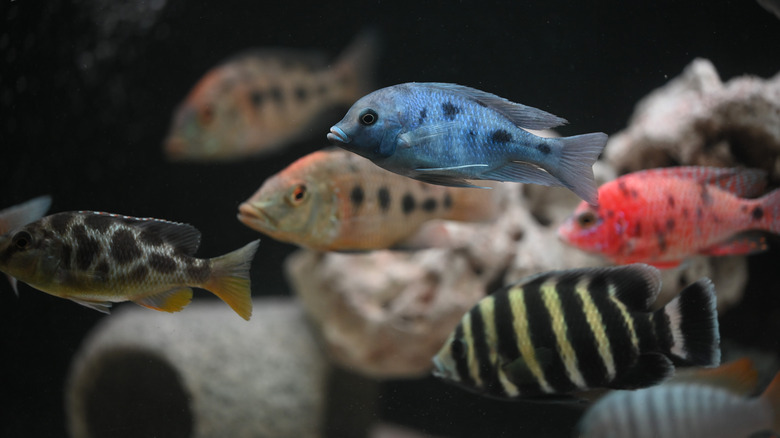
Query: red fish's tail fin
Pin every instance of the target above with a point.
(356, 67)
(693, 322)
(769, 210)
(230, 279)
(576, 164)
(772, 396)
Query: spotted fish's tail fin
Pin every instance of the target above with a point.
(575, 168)
(356, 67)
(230, 279)
(692, 320)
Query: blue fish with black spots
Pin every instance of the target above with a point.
(448, 134)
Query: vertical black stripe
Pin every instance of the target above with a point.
(461, 360)
(543, 338)
(580, 335)
(615, 326)
(507, 348)
(643, 325)
(487, 372)
(662, 331)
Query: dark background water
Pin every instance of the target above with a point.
(88, 88)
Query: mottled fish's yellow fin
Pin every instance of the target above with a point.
(230, 279)
(739, 376)
(168, 301)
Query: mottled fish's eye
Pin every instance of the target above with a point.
(206, 115)
(298, 194)
(22, 240)
(586, 219)
(368, 117)
(458, 348)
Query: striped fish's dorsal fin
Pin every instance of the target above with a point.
(636, 285)
(183, 237)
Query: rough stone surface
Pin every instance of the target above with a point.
(386, 313)
(262, 378)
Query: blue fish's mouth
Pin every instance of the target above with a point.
(337, 135)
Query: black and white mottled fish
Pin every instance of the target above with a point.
(96, 259)
(24, 213)
(447, 134)
(570, 331)
(711, 406)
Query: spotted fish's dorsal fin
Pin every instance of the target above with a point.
(738, 181)
(521, 115)
(100, 306)
(168, 301)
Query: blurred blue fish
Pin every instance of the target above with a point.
(447, 134)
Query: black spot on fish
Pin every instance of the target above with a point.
(124, 248)
(162, 264)
(472, 133)
(102, 271)
(66, 255)
(429, 205)
(661, 237)
(384, 198)
(301, 94)
(276, 95)
(407, 203)
(423, 115)
(670, 200)
(706, 198)
(543, 148)
(501, 136)
(138, 275)
(699, 213)
(356, 197)
(256, 97)
(98, 222)
(87, 250)
(670, 224)
(757, 213)
(634, 193)
(610, 214)
(447, 201)
(199, 271)
(638, 229)
(450, 110)
(151, 235)
(60, 222)
(623, 189)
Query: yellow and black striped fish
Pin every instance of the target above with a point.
(568, 331)
(96, 259)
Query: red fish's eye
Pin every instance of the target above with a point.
(22, 240)
(206, 115)
(587, 219)
(298, 193)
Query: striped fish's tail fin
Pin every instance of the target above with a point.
(772, 396)
(357, 66)
(578, 153)
(230, 279)
(693, 322)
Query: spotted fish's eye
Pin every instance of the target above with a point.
(368, 117)
(586, 219)
(22, 240)
(298, 194)
(458, 348)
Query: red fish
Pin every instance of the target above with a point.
(662, 216)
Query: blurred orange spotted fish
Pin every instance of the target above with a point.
(261, 100)
(96, 259)
(662, 216)
(334, 200)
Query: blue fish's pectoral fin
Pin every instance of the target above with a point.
(426, 133)
(650, 369)
(100, 306)
(522, 172)
(169, 301)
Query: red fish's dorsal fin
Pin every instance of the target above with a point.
(739, 377)
(740, 182)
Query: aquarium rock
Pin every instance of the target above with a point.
(202, 372)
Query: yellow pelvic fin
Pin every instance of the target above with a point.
(168, 301)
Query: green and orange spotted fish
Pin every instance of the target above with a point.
(96, 259)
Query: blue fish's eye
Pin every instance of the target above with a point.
(368, 117)
(22, 239)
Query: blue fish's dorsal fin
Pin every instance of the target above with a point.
(521, 115)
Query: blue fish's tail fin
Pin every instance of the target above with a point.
(575, 168)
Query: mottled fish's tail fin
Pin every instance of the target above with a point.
(575, 170)
(771, 396)
(230, 279)
(693, 323)
(356, 67)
